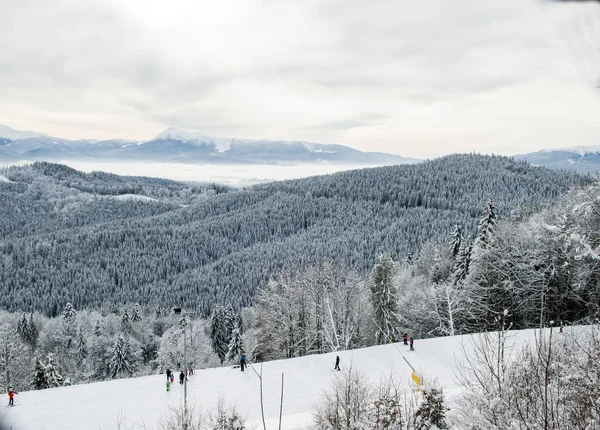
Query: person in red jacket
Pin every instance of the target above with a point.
(405, 338)
(11, 397)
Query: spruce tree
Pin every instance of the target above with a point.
(33, 331)
(81, 345)
(219, 334)
(23, 330)
(456, 238)
(70, 324)
(120, 361)
(235, 346)
(39, 380)
(136, 314)
(487, 225)
(384, 301)
(97, 328)
(431, 414)
(53, 377)
(462, 262)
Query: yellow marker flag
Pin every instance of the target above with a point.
(416, 379)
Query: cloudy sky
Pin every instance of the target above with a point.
(414, 78)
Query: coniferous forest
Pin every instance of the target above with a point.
(457, 245)
(100, 240)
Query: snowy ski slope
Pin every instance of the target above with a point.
(144, 400)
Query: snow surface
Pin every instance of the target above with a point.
(144, 400)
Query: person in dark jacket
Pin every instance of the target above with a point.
(411, 344)
(168, 374)
(405, 338)
(337, 363)
(243, 360)
(181, 377)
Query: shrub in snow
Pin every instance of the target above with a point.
(346, 405)
(431, 413)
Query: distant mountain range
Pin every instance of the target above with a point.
(583, 159)
(183, 146)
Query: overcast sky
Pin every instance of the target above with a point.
(416, 78)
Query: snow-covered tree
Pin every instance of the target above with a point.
(487, 225)
(384, 301)
(235, 347)
(431, 414)
(97, 328)
(120, 360)
(53, 377)
(220, 333)
(39, 381)
(456, 239)
(136, 314)
(82, 350)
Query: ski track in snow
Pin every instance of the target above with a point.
(145, 400)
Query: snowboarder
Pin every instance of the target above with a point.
(168, 374)
(337, 363)
(405, 338)
(181, 377)
(11, 397)
(168, 385)
(411, 344)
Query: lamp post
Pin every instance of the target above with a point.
(179, 311)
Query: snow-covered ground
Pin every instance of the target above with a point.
(144, 400)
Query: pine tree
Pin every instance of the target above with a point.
(431, 414)
(235, 346)
(82, 351)
(136, 314)
(456, 239)
(70, 324)
(120, 361)
(462, 262)
(23, 330)
(69, 314)
(384, 301)
(33, 331)
(487, 225)
(219, 334)
(39, 380)
(54, 378)
(125, 322)
(230, 321)
(97, 328)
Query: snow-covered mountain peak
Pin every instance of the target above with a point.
(11, 133)
(174, 133)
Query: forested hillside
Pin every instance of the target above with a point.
(101, 240)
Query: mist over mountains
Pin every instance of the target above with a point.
(182, 146)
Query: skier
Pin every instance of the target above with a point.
(337, 363)
(181, 377)
(11, 396)
(172, 377)
(411, 344)
(168, 374)
(243, 360)
(405, 338)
